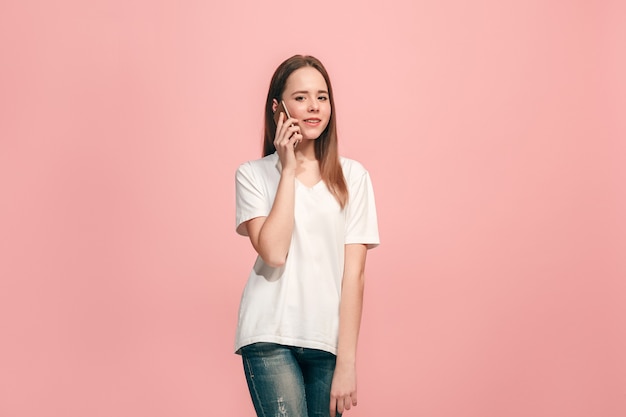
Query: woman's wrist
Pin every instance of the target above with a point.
(345, 361)
(288, 173)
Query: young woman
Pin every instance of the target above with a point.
(310, 216)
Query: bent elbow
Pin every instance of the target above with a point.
(274, 261)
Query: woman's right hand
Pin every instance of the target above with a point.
(287, 137)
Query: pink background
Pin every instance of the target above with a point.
(495, 136)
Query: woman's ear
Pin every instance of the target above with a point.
(274, 105)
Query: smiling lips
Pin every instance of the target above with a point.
(313, 121)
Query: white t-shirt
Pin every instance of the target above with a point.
(297, 304)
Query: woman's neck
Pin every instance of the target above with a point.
(305, 151)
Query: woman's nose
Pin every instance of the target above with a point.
(314, 105)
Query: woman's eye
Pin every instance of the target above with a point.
(322, 98)
(300, 98)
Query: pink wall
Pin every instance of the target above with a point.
(495, 135)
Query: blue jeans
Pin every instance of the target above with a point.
(287, 381)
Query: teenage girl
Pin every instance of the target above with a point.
(310, 216)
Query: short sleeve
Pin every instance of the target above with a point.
(361, 218)
(251, 200)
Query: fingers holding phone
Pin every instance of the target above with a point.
(287, 136)
(286, 124)
(287, 132)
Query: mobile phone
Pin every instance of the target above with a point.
(281, 108)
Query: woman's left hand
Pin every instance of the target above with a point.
(343, 389)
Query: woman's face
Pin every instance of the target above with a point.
(307, 99)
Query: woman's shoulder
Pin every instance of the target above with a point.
(352, 167)
(266, 163)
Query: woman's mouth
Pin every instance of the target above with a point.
(313, 121)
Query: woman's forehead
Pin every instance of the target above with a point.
(306, 79)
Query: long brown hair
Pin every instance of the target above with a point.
(326, 149)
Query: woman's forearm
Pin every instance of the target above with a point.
(274, 236)
(351, 306)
